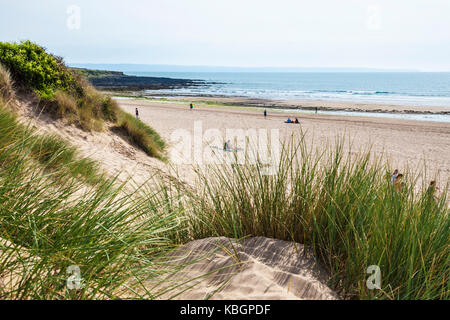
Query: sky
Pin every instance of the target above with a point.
(394, 34)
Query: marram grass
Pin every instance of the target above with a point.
(57, 211)
(345, 208)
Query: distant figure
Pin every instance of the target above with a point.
(288, 120)
(265, 113)
(398, 184)
(394, 176)
(316, 110)
(192, 106)
(137, 113)
(227, 146)
(432, 190)
(296, 120)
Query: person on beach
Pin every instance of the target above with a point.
(137, 113)
(398, 183)
(191, 106)
(296, 120)
(288, 120)
(432, 190)
(316, 110)
(394, 176)
(227, 146)
(265, 113)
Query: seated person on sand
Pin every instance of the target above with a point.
(227, 146)
(296, 120)
(288, 120)
(398, 184)
(394, 176)
(432, 190)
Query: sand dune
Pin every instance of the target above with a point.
(257, 268)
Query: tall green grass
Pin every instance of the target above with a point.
(142, 135)
(344, 207)
(50, 151)
(51, 219)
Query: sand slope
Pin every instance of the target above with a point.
(256, 268)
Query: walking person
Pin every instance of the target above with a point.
(137, 113)
(265, 113)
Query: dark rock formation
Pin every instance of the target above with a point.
(124, 82)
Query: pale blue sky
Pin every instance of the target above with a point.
(409, 34)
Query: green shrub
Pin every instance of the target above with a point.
(36, 69)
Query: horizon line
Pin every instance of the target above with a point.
(250, 68)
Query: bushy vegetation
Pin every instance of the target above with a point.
(34, 68)
(345, 208)
(66, 94)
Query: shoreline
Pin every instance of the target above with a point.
(299, 105)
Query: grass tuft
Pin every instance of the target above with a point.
(6, 84)
(142, 135)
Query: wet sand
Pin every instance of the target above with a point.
(321, 105)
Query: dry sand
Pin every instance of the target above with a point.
(257, 269)
(405, 143)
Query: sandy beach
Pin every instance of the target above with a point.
(321, 105)
(405, 143)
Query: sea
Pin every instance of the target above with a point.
(401, 88)
(427, 89)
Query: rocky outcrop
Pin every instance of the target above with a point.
(125, 82)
